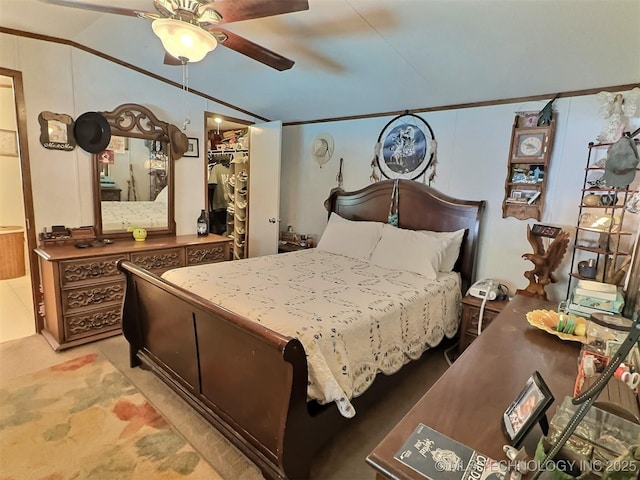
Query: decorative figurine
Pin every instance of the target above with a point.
(140, 234)
(546, 114)
(616, 109)
(545, 262)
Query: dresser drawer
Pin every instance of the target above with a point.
(103, 294)
(159, 261)
(92, 323)
(90, 270)
(197, 255)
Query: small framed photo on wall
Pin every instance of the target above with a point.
(8, 143)
(192, 150)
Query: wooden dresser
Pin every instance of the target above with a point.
(83, 289)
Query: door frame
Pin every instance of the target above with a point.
(25, 167)
(227, 123)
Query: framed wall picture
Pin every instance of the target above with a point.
(56, 131)
(118, 144)
(192, 149)
(8, 143)
(527, 409)
(407, 147)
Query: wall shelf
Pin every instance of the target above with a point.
(527, 168)
(607, 244)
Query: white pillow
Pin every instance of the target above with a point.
(163, 196)
(350, 238)
(453, 241)
(400, 249)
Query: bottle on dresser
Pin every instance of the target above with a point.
(202, 226)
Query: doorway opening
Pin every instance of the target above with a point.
(227, 148)
(20, 296)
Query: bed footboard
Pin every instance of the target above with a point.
(248, 381)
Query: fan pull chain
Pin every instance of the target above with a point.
(185, 92)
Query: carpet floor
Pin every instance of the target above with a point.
(342, 459)
(84, 419)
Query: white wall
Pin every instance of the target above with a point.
(62, 79)
(472, 153)
(473, 147)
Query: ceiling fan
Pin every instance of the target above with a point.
(201, 20)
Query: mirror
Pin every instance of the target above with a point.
(133, 176)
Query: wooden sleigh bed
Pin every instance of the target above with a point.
(251, 382)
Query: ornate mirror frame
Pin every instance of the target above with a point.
(135, 121)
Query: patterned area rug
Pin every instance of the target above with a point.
(83, 419)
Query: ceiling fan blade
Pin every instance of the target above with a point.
(103, 8)
(171, 60)
(237, 10)
(253, 50)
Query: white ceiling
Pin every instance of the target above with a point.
(359, 57)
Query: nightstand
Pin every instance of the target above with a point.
(110, 194)
(290, 247)
(471, 314)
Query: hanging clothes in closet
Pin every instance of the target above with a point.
(219, 172)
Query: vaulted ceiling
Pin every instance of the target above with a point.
(360, 57)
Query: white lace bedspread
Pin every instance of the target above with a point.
(354, 319)
(122, 215)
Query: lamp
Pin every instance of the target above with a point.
(184, 40)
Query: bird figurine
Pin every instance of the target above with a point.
(546, 114)
(545, 262)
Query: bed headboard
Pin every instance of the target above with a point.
(420, 208)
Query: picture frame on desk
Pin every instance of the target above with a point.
(527, 409)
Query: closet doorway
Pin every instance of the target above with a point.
(252, 153)
(226, 141)
(19, 275)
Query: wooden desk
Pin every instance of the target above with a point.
(468, 401)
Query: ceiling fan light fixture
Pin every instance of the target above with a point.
(184, 40)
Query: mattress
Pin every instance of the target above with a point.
(122, 215)
(354, 319)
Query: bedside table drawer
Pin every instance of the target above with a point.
(474, 317)
(471, 316)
